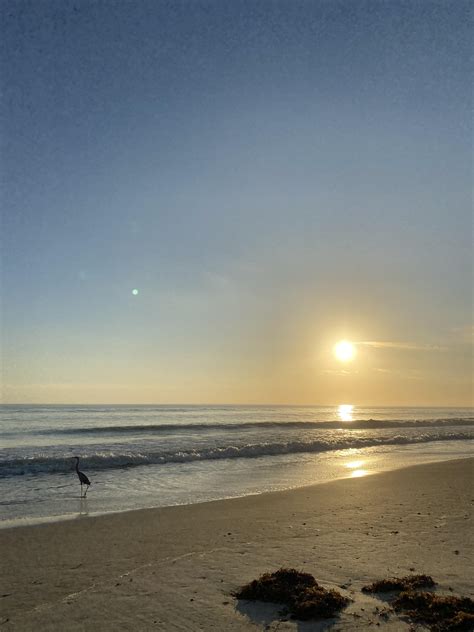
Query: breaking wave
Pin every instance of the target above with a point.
(358, 424)
(105, 460)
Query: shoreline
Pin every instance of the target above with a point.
(174, 568)
(372, 470)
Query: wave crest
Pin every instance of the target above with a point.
(101, 460)
(357, 424)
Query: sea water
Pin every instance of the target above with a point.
(150, 456)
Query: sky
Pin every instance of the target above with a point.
(200, 199)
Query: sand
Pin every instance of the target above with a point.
(175, 568)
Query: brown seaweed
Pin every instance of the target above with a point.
(300, 592)
(438, 612)
(400, 583)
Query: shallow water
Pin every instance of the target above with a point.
(148, 456)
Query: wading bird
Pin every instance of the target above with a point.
(82, 477)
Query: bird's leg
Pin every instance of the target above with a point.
(85, 493)
(81, 490)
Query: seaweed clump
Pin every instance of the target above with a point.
(300, 592)
(439, 613)
(400, 583)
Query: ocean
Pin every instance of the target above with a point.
(151, 456)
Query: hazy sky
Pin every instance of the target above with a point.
(270, 176)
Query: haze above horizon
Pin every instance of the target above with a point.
(202, 200)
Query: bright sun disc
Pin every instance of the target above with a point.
(344, 350)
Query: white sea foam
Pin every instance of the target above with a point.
(140, 456)
(102, 460)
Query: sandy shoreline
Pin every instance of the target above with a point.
(174, 568)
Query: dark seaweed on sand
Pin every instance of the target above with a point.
(439, 613)
(400, 583)
(299, 591)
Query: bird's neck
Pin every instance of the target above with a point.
(77, 465)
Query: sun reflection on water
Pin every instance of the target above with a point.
(356, 467)
(352, 465)
(344, 412)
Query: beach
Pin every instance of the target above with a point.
(175, 568)
(140, 457)
(236, 316)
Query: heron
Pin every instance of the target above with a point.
(82, 477)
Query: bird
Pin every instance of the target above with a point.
(82, 477)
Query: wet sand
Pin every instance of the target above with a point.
(175, 568)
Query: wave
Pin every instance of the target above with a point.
(102, 460)
(358, 424)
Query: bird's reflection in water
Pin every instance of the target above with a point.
(83, 507)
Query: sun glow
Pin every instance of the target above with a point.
(344, 351)
(344, 412)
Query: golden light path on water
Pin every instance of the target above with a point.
(345, 412)
(357, 470)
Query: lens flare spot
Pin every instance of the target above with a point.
(134, 291)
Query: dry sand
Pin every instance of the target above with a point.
(175, 568)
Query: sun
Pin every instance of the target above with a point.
(344, 351)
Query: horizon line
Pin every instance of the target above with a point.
(246, 405)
